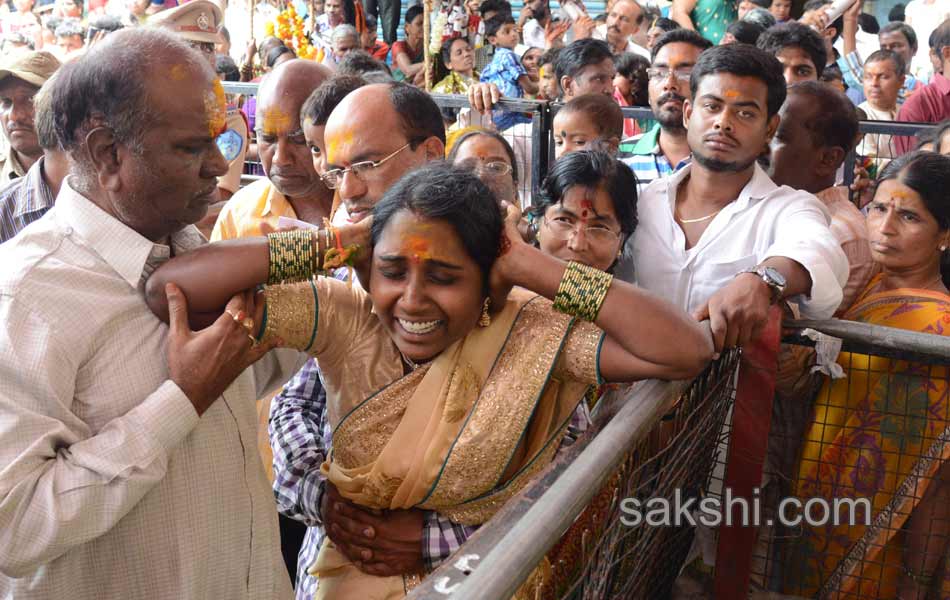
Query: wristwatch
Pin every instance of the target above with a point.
(772, 278)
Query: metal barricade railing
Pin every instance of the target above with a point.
(528, 140)
(563, 536)
(880, 436)
(661, 438)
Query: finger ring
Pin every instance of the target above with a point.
(248, 324)
(254, 342)
(233, 315)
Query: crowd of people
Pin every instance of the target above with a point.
(435, 331)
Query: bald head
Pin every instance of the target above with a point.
(282, 147)
(414, 130)
(289, 85)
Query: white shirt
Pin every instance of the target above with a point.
(533, 35)
(111, 486)
(600, 33)
(764, 221)
(924, 16)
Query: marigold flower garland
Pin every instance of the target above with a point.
(288, 26)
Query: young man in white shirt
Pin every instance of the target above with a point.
(130, 465)
(719, 237)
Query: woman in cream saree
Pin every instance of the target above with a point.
(434, 402)
(883, 432)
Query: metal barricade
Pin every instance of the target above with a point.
(529, 139)
(869, 449)
(563, 536)
(569, 534)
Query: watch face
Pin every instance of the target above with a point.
(775, 276)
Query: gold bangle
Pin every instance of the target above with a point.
(291, 256)
(582, 291)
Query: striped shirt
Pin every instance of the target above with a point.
(24, 200)
(643, 155)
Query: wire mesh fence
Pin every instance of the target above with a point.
(608, 554)
(568, 534)
(859, 488)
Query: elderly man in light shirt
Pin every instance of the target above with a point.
(718, 237)
(128, 447)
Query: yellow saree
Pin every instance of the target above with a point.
(879, 434)
(459, 435)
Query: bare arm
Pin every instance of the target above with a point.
(210, 275)
(405, 64)
(680, 11)
(738, 312)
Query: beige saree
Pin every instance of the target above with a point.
(459, 435)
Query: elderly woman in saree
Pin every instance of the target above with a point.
(881, 433)
(451, 381)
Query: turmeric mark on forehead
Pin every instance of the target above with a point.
(275, 121)
(417, 248)
(216, 109)
(338, 143)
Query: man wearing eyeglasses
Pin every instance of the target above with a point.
(376, 135)
(292, 187)
(663, 150)
(623, 20)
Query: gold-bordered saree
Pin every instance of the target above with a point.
(459, 435)
(881, 434)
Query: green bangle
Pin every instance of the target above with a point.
(582, 291)
(291, 256)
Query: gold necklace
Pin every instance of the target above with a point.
(699, 220)
(409, 362)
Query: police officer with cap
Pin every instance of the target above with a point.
(197, 22)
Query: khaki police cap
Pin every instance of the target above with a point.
(33, 67)
(195, 21)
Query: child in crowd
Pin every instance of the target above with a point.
(484, 51)
(505, 70)
(781, 10)
(586, 119)
(631, 86)
(657, 28)
(547, 80)
(833, 77)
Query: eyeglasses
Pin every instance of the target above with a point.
(563, 229)
(494, 168)
(361, 170)
(661, 73)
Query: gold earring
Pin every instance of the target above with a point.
(485, 319)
